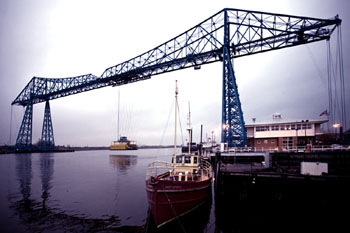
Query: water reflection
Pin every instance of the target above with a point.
(39, 216)
(123, 162)
(46, 170)
(41, 203)
(24, 175)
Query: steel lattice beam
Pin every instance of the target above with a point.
(233, 131)
(230, 33)
(251, 32)
(47, 137)
(24, 138)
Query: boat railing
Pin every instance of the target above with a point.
(162, 169)
(206, 168)
(158, 168)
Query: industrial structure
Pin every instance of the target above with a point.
(230, 33)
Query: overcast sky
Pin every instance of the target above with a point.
(56, 39)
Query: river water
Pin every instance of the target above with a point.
(85, 191)
(104, 191)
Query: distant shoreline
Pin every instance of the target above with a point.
(11, 149)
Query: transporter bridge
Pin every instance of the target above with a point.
(228, 34)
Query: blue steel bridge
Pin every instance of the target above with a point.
(228, 34)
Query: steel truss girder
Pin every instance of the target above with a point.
(230, 33)
(251, 32)
(24, 138)
(233, 131)
(47, 137)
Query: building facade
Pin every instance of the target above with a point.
(283, 134)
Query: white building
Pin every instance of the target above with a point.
(283, 134)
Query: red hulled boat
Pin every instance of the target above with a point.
(176, 188)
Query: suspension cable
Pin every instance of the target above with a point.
(336, 97)
(10, 137)
(329, 72)
(341, 75)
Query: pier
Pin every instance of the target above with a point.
(282, 167)
(277, 196)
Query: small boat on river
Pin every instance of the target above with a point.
(176, 188)
(123, 144)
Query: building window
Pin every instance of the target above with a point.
(259, 142)
(287, 142)
(285, 127)
(262, 128)
(266, 141)
(275, 128)
(272, 141)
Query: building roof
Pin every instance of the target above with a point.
(284, 121)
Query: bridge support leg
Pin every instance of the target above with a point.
(24, 138)
(47, 138)
(233, 130)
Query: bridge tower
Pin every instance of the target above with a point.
(47, 138)
(24, 138)
(232, 131)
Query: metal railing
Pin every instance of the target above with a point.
(161, 169)
(289, 149)
(157, 168)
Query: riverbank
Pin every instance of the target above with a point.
(5, 149)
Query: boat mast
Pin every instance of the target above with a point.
(176, 92)
(189, 129)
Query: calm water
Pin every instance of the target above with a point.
(85, 191)
(104, 191)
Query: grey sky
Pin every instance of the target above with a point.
(68, 38)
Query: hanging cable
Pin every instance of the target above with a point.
(341, 76)
(329, 76)
(320, 73)
(336, 83)
(10, 126)
(334, 107)
(337, 108)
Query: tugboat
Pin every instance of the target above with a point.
(174, 189)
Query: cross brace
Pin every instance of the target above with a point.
(47, 138)
(230, 33)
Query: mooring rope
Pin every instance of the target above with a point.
(176, 216)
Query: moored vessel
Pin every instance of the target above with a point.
(174, 189)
